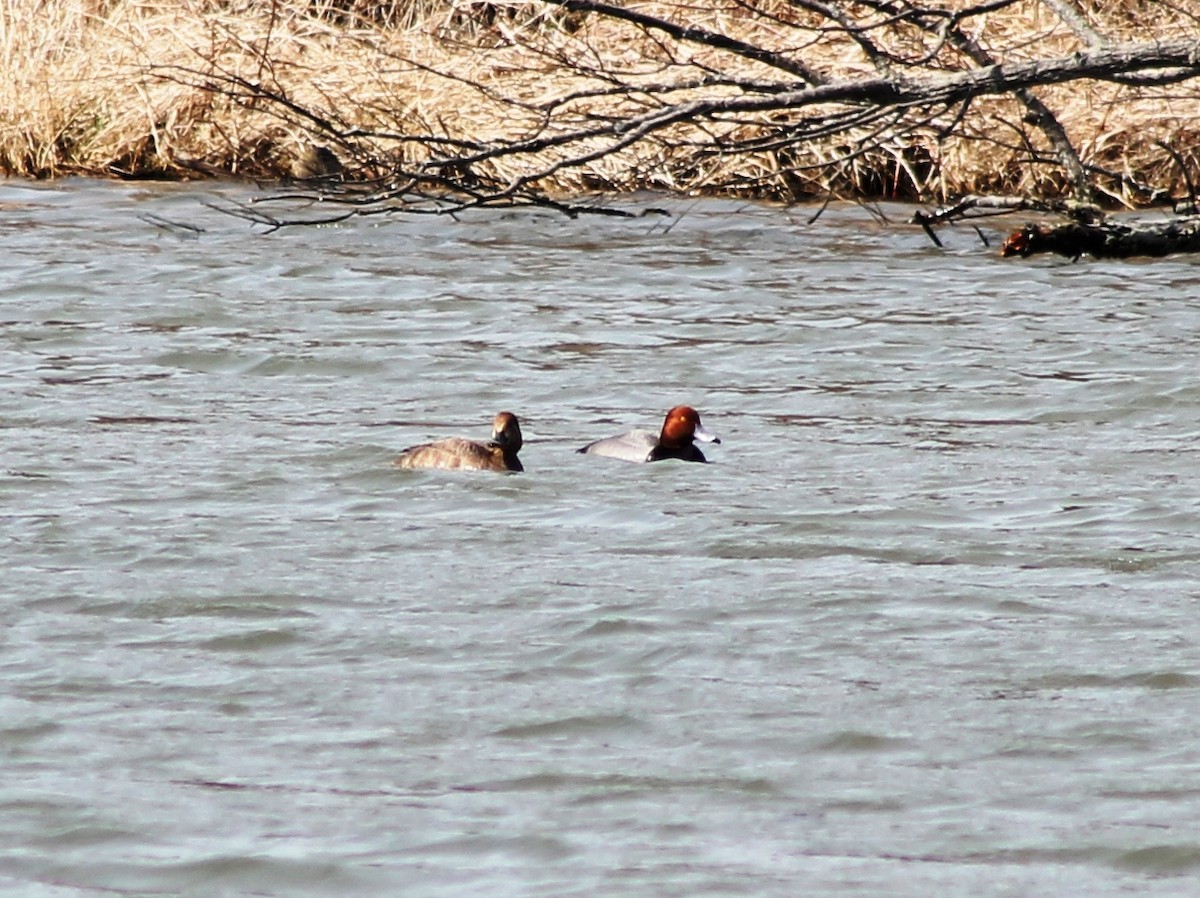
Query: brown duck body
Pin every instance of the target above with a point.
(459, 454)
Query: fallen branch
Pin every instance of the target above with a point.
(1088, 231)
(1106, 239)
(985, 206)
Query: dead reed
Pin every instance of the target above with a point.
(125, 88)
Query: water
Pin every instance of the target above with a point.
(927, 626)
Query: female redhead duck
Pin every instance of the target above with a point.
(498, 455)
(680, 428)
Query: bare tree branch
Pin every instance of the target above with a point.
(693, 35)
(665, 98)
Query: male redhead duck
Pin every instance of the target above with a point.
(681, 427)
(498, 455)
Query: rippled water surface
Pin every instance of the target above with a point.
(929, 624)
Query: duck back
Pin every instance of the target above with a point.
(636, 446)
(458, 454)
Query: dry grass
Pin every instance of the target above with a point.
(119, 87)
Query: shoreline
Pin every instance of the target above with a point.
(123, 90)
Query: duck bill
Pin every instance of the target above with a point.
(705, 436)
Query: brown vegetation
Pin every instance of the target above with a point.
(522, 94)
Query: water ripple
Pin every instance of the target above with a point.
(925, 626)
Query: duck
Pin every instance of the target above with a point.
(316, 163)
(498, 455)
(675, 440)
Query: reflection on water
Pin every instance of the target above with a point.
(926, 625)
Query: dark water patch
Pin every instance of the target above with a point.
(1166, 860)
(89, 836)
(247, 874)
(254, 641)
(103, 378)
(855, 741)
(616, 627)
(138, 420)
(250, 607)
(589, 788)
(1154, 680)
(540, 849)
(17, 737)
(869, 807)
(572, 726)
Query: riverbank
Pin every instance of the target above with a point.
(179, 90)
